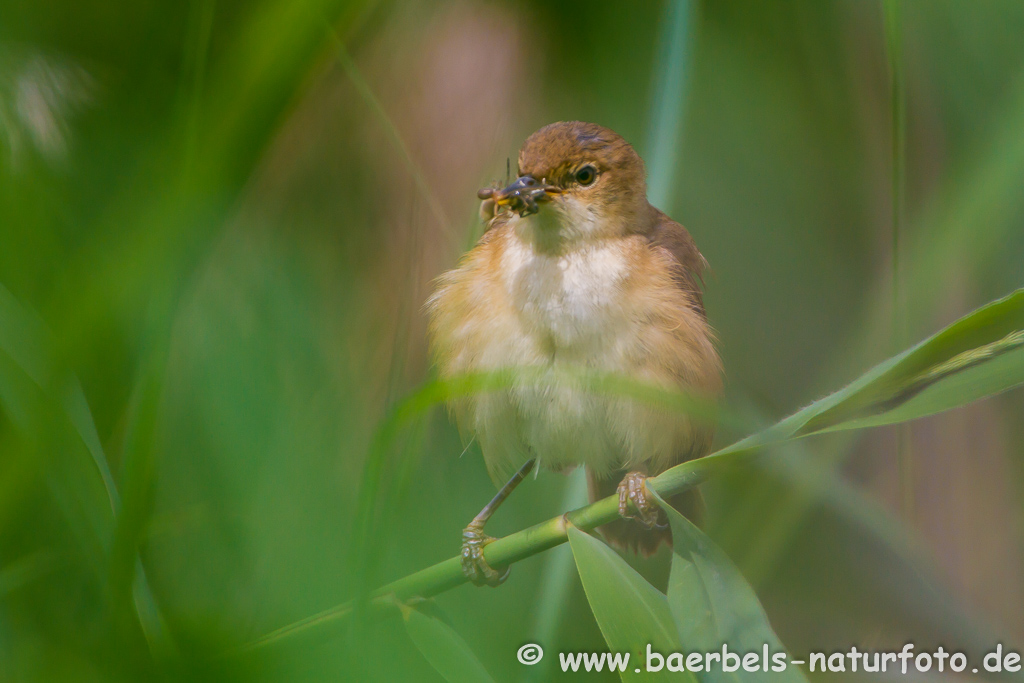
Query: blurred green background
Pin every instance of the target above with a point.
(219, 221)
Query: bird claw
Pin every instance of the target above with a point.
(633, 489)
(474, 566)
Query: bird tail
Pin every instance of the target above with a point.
(628, 534)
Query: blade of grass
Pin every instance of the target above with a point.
(445, 649)
(631, 612)
(126, 574)
(894, 44)
(713, 605)
(671, 80)
(967, 222)
(61, 405)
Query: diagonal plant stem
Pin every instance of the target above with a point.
(446, 575)
(990, 332)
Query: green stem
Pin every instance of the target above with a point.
(882, 389)
(894, 43)
(446, 575)
(670, 87)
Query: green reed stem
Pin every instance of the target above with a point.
(897, 99)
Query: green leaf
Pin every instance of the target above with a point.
(47, 402)
(974, 343)
(975, 374)
(714, 606)
(631, 613)
(446, 651)
(979, 355)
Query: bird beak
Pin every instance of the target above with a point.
(521, 196)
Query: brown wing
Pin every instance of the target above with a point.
(689, 262)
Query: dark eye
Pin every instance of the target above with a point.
(586, 175)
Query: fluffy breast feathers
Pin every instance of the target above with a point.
(628, 306)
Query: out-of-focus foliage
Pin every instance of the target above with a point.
(444, 649)
(219, 234)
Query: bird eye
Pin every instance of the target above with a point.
(586, 175)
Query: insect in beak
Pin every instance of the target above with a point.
(521, 196)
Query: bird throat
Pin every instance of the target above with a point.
(547, 231)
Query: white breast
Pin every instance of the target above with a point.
(572, 317)
(571, 302)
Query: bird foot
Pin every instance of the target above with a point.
(633, 489)
(474, 566)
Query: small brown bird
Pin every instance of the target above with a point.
(577, 272)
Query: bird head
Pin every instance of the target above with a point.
(577, 182)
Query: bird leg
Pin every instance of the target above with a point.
(633, 489)
(474, 566)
